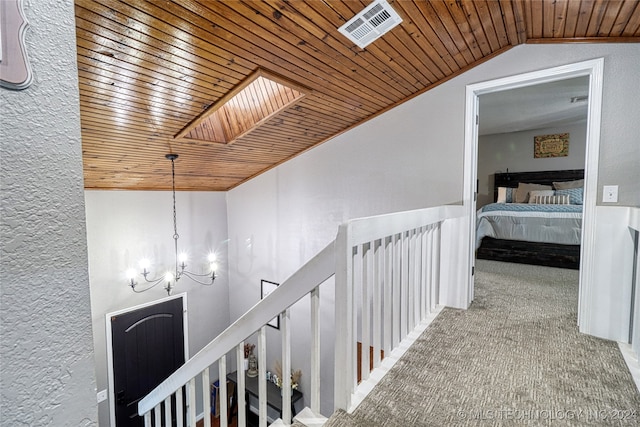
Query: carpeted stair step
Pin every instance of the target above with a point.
(307, 418)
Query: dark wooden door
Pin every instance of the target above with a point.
(148, 346)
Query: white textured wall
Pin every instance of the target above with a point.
(126, 226)
(409, 157)
(514, 150)
(46, 347)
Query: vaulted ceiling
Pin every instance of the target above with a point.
(152, 72)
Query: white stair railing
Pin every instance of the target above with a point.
(387, 287)
(387, 283)
(631, 351)
(158, 405)
(634, 228)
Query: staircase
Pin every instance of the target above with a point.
(389, 274)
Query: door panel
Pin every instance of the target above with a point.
(148, 346)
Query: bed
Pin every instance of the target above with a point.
(536, 219)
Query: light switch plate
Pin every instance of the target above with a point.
(610, 194)
(102, 396)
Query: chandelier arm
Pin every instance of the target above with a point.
(155, 283)
(192, 274)
(194, 277)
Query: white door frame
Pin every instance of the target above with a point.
(595, 70)
(111, 391)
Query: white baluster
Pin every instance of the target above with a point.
(357, 303)
(378, 271)
(387, 288)
(417, 268)
(285, 328)
(315, 350)
(404, 281)
(431, 267)
(411, 282)
(424, 273)
(436, 266)
(157, 414)
(167, 411)
(240, 386)
(206, 397)
(179, 408)
(262, 379)
(191, 403)
(222, 381)
(365, 366)
(397, 264)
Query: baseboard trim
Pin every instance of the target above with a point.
(631, 359)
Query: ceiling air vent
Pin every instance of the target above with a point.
(370, 24)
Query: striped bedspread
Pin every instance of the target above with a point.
(560, 224)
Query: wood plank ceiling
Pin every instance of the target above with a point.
(149, 68)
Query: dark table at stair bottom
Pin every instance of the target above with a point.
(274, 399)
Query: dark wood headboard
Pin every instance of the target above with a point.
(511, 179)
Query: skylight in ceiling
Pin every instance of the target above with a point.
(250, 104)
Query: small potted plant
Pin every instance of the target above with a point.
(277, 377)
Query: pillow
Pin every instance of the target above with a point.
(575, 195)
(522, 194)
(551, 200)
(568, 184)
(539, 193)
(506, 195)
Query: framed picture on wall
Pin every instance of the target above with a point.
(556, 145)
(266, 287)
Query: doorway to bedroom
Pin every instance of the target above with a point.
(492, 147)
(530, 173)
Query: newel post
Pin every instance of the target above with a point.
(344, 374)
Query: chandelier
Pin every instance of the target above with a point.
(170, 278)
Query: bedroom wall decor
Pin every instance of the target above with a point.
(556, 145)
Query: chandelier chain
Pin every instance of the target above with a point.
(176, 236)
(173, 188)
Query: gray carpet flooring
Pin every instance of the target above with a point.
(515, 357)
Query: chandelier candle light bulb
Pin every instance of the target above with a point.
(170, 278)
(144, 265)
(213, 265)
(183, 259)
